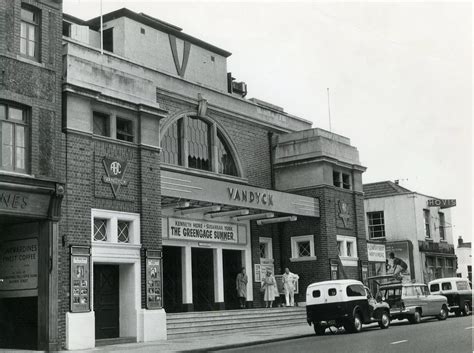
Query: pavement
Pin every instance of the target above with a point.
(454, 335)
(204, 343)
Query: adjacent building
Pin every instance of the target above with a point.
(464, 255)
(137, 180)
(417, 228)
(31, 172)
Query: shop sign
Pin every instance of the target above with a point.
(115, 170)
(376, 252)
(80, 279)
(154, 280)
(19, 265)
(191, 187)
(18, 202)
(428, 246)
(249, 196)
(441, 203)
(196, 230)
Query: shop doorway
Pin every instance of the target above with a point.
(203, 279)
(106, 301)
(19, 323)
(232, 264)
(172, 279)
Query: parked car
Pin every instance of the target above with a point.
(343, 303)
(458, 292)
(412, 301)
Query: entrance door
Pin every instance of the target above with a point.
(106, 301)
(232, 263)
(19, 323)
(172, 279)
(203, 279)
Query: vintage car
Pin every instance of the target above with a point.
(412, 301)
(458, 292)
(343, 303)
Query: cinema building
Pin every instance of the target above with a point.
(174, 180)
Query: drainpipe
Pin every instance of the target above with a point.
(272, 170)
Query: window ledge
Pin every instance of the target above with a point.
(24, 175)
(30, 61)
(99, 243)
(302, 259)
(349, 261)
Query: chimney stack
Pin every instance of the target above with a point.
(460, 241)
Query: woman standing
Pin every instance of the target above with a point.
(269, 289)
(241, 286)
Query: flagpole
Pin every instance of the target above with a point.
(329, 112)
(101, 30)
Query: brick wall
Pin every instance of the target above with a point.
(36, 85)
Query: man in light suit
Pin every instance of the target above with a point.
(289, 285)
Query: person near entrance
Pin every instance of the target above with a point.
(241, 286)
(269, 289)
(289, 285)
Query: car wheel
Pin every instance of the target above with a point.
(384, 320)
(443, 313)
(354, 325)
(467, 309)
(319, 329)
(415, 318)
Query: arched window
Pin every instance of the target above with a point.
(197, 143)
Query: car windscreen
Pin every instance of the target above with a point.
(355, 290)
(392, 295)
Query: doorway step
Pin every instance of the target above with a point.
(117, 340)
(192, 324)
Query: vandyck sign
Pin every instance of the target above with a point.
(250, 196)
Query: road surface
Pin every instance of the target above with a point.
(431, 336)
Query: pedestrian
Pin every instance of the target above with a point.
(241, 286)
(289, 285)
(269, 289)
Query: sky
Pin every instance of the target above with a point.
(399, 76)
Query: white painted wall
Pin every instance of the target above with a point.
(404, 220)
(464, 259)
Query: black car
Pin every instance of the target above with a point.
(343, 303)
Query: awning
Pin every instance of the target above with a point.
(182, 186)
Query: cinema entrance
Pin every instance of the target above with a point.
(29, 215)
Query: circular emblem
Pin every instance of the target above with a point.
(115, 168)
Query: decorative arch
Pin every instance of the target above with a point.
(180, 139)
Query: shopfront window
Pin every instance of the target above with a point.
(13, 138)
(197, 143)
